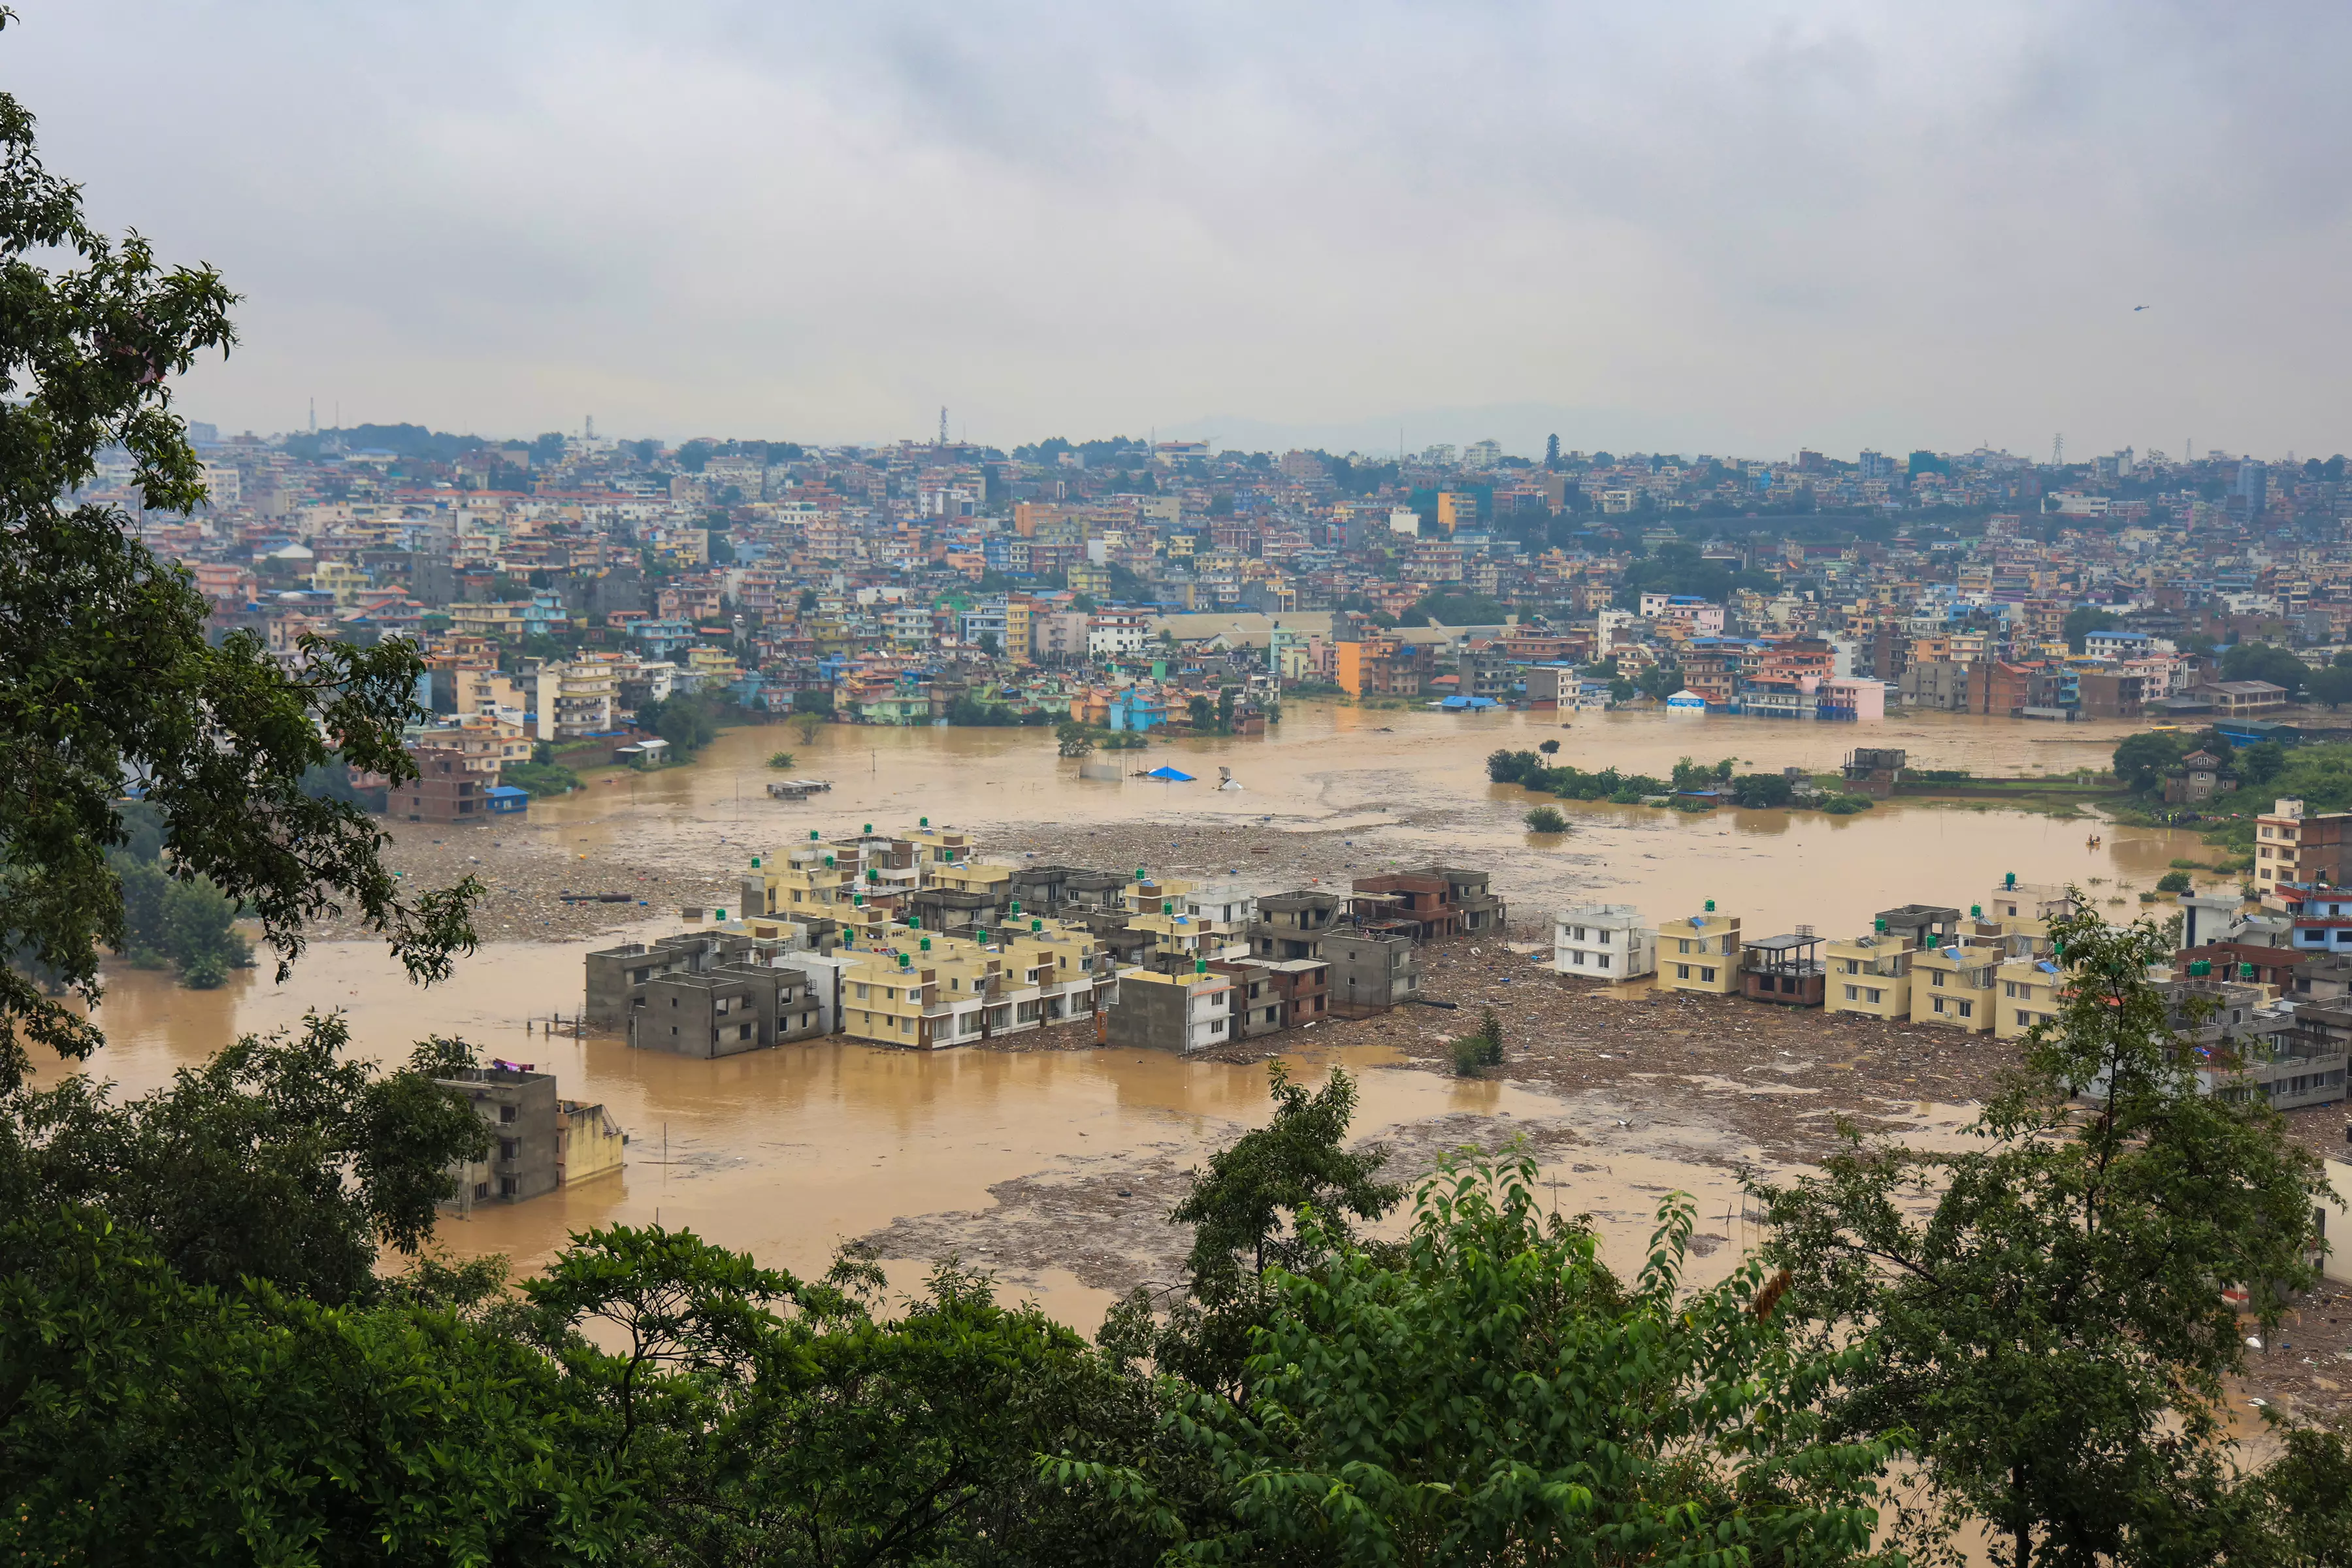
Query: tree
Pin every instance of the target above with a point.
(1551, 451)
(279, 1160)
(2050, 1328)
(106, 672)
(1073, 739)
(987, 643)
(154, 1420)
(1247, 1210)
(1201, 712)
(781, 760)
(1481, 1048)
(1660, 681)
(769, 1419)
(1762, 792)
(2085, 619)
(1548, 748)
(1493, 1393)
(2262, 661)
(2332, 686)
(2175, 882)
(2141, 760)
(1546, 819)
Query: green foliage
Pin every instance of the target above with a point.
(1492, 1393)
(1455, 610)
(539, 780)
(1073, 739)
(106, 672)
(2085, 619)
(277, 1160)
(688, 721)
(1546, 819)
(1659, 682)
(1847, 804)
(810, 700)
(2175, 882)
(1481, 1048)
(188, 924)
(1678, 569)
(972, 712)
(781, 761)
(1246, 1210)
(150, 1419)
(1548, 748)
(2264, 661)
(2140, 761)
(2044, 1311)
(1766, 792)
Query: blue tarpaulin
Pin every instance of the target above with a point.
(1169, 775)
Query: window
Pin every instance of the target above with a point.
(506, 1113)
(1938, 976)
(743, 1031)
(1681, 971)
(510, 1147)
(1601, 960)
(481, 1189)
(1853, 992)
(1939, 1003)
(1967, 1009)
(1706, 976)
(507, 1187)
(2024, 1019)
(1686, 944)
(1873, 993)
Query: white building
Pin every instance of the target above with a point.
(576, 699)
(1603, 942)
(1225, 908)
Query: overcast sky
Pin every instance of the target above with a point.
(1730, 227)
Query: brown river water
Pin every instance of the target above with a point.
(1054, 1166)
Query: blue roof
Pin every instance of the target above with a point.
(1169, 775)
(507, 792)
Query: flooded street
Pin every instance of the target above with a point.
(1054, 1166)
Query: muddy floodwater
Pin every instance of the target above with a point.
(1054, 1167)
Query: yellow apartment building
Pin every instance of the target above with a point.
(1955, 986)
(925, 992)
(2029, 996)
(1869, 976)
(1700, 953)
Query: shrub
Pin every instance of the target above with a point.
(1544, 819)
(2175, 882)
(780, 759)
(539, 779)
(1762, 791)
(1482, 1047)
(1846, 804)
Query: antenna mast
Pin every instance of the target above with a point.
(2058, 450)
(943, 424)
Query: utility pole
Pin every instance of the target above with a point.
(2058, 450)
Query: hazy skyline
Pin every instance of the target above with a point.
(1724, 229)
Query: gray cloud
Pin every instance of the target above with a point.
(1705, 225)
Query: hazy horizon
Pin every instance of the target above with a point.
(1836, 226)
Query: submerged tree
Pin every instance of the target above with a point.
(2046, 1311)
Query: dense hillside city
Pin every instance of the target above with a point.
(940, 581)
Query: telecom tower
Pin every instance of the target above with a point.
(943, 424)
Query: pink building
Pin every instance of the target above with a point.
(1851, 697)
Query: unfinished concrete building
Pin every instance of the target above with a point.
(538, 1141)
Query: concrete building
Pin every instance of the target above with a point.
(538, 1141)
(1869, 976)
(1603, 942)
(1372, 972)
(1700, 953)
(2293, 846)
(1184, 1013)
(2030, 994)
(725, 1011)
(1955, 986)
(577, 698)
(1787, 970)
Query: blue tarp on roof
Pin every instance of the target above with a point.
(1169, 775)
